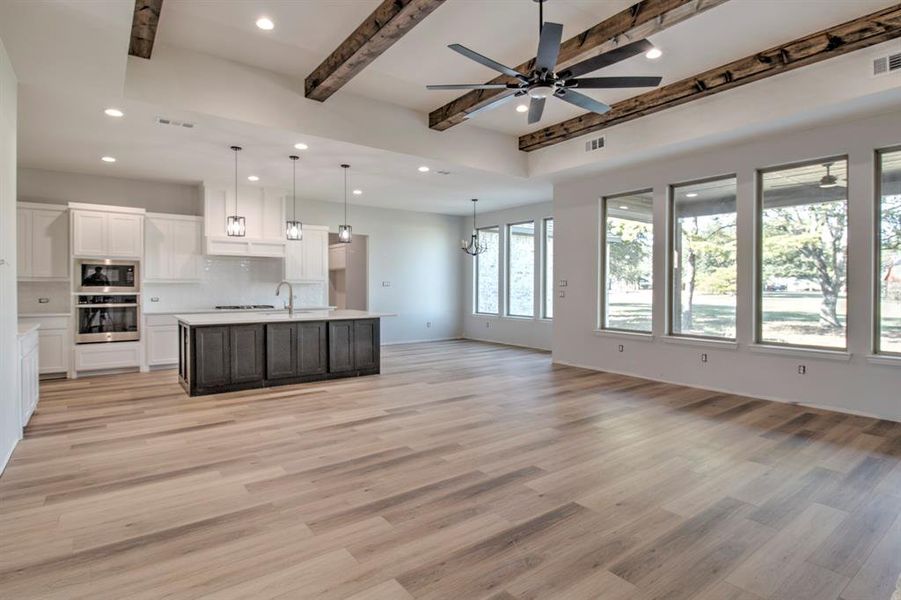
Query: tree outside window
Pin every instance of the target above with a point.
(889, 261)
(627, 253)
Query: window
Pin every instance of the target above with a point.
(521, 269)
(487, 272)
(627, 239)
(703, 258)
(888, 324)
(547, 307)
(802, 261)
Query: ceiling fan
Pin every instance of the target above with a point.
(542, 82)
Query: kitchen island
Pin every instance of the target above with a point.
(238, 351)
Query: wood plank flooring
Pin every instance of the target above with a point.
(464, 471)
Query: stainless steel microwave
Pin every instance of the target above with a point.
(107, 276)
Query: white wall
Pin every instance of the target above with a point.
(855, 383)
(10, 415)
(533, 332)
(416, 253)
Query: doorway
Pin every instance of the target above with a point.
(348, 272)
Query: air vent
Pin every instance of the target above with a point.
(443, 172)
(887, 64)
(595, 144)
(174, 122)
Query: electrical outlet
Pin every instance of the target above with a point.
(703, 357)
(802, 369)
(386, 284)
(428, 323)
(563, 283)
(562, 294)
(621, 348)
(487, 324)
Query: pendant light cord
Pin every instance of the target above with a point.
(236, 180)
(345, 196)
(294, 190)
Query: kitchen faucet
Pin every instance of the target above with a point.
(290, 302)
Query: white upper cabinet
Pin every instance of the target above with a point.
(106, 231)
(43, 242)
(264, 219)
(307, 259)
(172, 249)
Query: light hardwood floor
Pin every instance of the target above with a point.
(465, 470)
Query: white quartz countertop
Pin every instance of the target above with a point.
(233, 318)
(150, 310)
(26, 328)
(42, 315)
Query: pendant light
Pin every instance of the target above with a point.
(474, 246)
(294, 228)
(234, 226)
(829, 180)
(345, 231)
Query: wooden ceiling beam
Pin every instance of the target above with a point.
(853, 35)
(637, 22)
(390, 21)
(143, 27)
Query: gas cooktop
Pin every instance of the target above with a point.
(245, 307)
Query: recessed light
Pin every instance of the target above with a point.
(265, 23)
(653, 53)
(522, 108)
(691, 195)
(624, 207)
(300, 146)
(423, 169)
(357, 192)
(108, 159)
(252, 178)
(114, 112)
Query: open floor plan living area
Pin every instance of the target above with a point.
(450, 299)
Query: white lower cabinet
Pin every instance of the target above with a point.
(161, 337)
(104, 356)
(28, 374)
(54, 343)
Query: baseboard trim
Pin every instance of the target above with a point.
(422, 341)
(9, 454)
(511, 344)
(856, 413)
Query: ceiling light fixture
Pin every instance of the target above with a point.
(521, 108)
(623, 207)
(691, 195)
(114, 112)
(109, 159)
(358, 192)
(265, 23)
(234, 225)
(294, 228)
(300, 146)
(829, 180)
(345, 231)
(423, 169)
(252, 178)
(474, 246)
(653, 53)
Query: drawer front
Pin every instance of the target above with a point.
(161, 320)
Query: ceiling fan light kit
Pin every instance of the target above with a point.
(543, 81)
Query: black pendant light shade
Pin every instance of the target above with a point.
(234, 226)
(345, 231)
(474, 246)
(294, 228)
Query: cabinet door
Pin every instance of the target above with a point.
(185, 238)
(281, 350)
(125, 235)
(312, 353)
(50, 244)
(23, 242)
(294, 251)
(246, 353)
(366, 344)
(315, 254)
(212, 367)
(162, 345)
(157, 233)
(28, 384)
(340, 346)
(53, 345)
(89, 233)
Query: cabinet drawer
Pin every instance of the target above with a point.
(161, 320)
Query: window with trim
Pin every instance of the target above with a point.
(488, 271)
(703, 258)
(627, 248)
(521, 269)
(547, 306)
(802, 254)
(888, 307)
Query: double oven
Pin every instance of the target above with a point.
(107, 303)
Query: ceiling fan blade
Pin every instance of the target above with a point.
(582, 101)
(549, 46)
(600, 83)
(501, 99)
(484, 60)
(468, 86)
(607, 58)
(536, 108)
